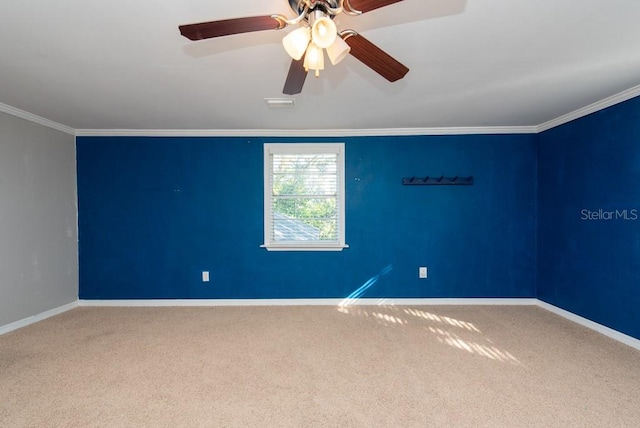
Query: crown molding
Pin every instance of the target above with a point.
(303, 133)
(381, 132)
(4, 108)
(592, 108)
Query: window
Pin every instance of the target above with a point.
(304, 197)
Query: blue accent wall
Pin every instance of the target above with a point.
(589, 217)
(155, 212)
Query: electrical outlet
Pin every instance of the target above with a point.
(205, 276)
(422, 272)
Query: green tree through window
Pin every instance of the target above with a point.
(305, 189)
(304, 197)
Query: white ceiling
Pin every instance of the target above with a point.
(122, 64)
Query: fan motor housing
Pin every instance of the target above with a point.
(298, 5)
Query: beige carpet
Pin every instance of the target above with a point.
(316, 367)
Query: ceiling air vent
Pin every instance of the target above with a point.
(279, 103)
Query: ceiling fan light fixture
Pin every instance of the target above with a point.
(296, 42)
(317, 31)
(324, 32)
(338, 50)
(314, 59)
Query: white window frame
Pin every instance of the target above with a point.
(303, 148)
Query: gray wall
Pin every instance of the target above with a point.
(38, 226)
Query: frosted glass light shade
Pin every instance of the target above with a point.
(323, 32)
(338, 50)
(296, 42)
(314, 59)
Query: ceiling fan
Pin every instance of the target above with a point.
(316, 33)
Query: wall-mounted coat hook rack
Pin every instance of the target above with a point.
(441, 180)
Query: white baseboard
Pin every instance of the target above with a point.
(609, 332)
(36, 318)
(304, 302)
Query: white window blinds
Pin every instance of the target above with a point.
(304, 196)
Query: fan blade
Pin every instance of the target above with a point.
(226, 27)
(295, 78)
(368, 5)
(375, 58)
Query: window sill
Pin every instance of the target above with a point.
(293, 247)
